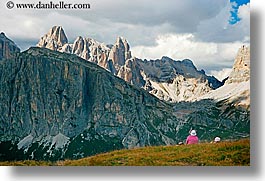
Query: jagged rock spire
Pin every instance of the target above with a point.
(241, 67)
(120, 52)
(118, 60)
(54, 39)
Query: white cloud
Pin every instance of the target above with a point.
(213, 47)
(205, 55)
(218, 29)
(139, 21)
(222, 74)
(153, 28)
(244, 11)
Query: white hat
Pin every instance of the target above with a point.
(217, 139)
(193, 133)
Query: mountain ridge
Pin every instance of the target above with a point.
(118, 59)
(59, 105)
(72, 101)
(8, 48)
(73, 108)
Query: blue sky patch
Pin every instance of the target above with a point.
(236, 3)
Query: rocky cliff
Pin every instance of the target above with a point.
(57, 105)
(8, 48)
(236, 89)
(175, 81)
(110, 57)
(54, 39)
(167, 79)
(241, 68)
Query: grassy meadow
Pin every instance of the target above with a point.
(226, 153)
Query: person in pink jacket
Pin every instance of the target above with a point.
(192, 138)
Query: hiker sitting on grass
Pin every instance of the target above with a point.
(192, 138)
(217, 139)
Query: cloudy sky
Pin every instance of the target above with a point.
(209, 32)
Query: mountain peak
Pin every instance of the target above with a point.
(116, 58)
(7, 47)
(58, 32)
(120, 38)
(188, 62)
(122, 42)
(54, 39)
(120, 52)
(241, 67)
(165, 58)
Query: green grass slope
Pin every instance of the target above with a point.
(228, 153)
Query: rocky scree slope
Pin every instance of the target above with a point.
(165, 78)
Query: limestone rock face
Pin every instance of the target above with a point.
(8, 48)
(57, 106)
(241, 67)
(54, 39)
(54, 100)
(120, 52)
(175, 81)
(167, 79)
(91, 50)
(87, 48)
(132, 72)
